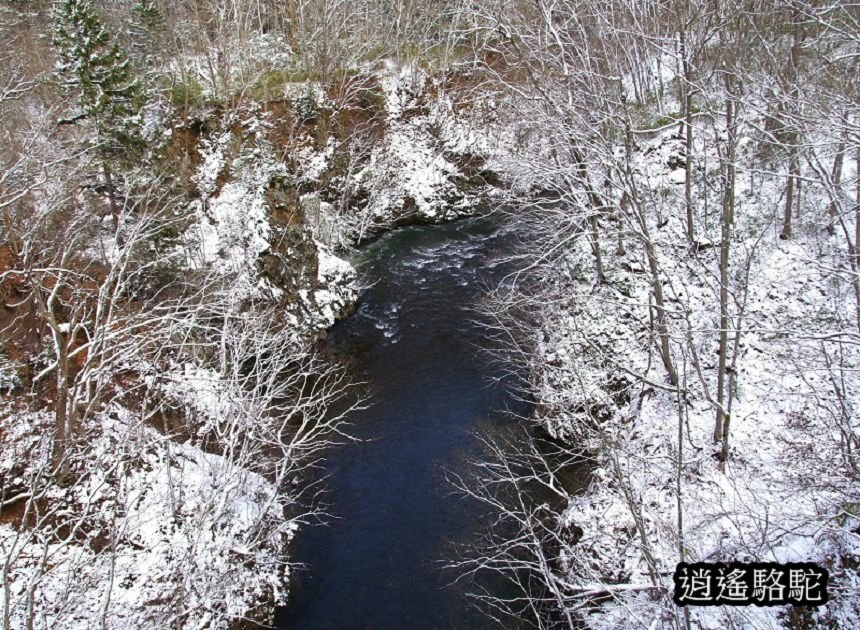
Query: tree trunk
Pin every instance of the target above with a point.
(62, 418)
(857, 237)
(625, 200)
(292, 30)
(726, 220)
(836, 176)
(793, 136)
(114, 206)
(679, 497)
(595, 207)
(654, 267)
(595, 249)
(662, 326)
(789, 193)
(688, 140)
(59, 451)
(798, 192)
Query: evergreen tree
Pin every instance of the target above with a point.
(99, 72)
(147, 30)
(97, 69)
(148, 13)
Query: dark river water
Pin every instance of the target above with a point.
(416, 340)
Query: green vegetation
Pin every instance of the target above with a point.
(98, 72)
(188, 93)
(273, 85)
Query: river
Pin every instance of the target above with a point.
(416, 340)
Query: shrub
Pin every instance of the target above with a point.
(187, 93)
(272, 85)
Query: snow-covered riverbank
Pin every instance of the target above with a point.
(788, 490)
(194, 429)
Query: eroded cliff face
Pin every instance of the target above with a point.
(187, 411)
(250, 228)
(280, 192)
(319, 287)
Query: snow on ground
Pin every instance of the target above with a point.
(235, 231)
(154, 533)
(788, 491)
(9, 378)
(165, 525)
(332, 274)
(233, 225)
(415, 172)
(166, 522)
